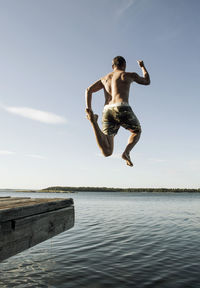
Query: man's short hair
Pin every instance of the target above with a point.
(119, 61)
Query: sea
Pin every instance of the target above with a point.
(119, 240)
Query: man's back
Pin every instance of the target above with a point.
(116, 86)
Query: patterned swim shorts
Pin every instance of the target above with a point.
(116, 115)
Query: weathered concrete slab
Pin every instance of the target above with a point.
(25, 222)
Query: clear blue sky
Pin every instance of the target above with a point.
(51, 50)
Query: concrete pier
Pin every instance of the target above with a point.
(25, 222)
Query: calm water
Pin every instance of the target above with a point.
(119, 240)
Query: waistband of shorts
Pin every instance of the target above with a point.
(116, 105)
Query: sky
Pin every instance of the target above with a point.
(52, 50)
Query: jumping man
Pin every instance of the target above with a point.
(117, 111)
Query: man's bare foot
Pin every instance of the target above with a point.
(126, 157)
(91, 116)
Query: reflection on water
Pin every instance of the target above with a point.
(119, 240)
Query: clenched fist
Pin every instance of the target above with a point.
(140, 63)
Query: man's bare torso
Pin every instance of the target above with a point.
(116, 87)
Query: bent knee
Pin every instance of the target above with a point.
(107, 153)
(137, 131)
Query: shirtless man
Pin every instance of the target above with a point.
(117, 111)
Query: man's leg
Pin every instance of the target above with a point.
(105, 142)
(133, 139)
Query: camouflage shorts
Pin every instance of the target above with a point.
(116, 116)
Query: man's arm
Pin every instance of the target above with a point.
(145, 80)
(88, 93)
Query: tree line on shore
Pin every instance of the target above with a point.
(107, 189)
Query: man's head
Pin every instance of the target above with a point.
(119, 62)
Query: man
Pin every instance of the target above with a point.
(117, 111)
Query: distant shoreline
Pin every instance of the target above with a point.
(60, 189)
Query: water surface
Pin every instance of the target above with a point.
(119, 240)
